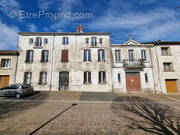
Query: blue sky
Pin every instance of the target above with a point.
(146, 20)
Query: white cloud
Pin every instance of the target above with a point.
(44, 4)
(8, 36)
(32, 27)
(8, 6)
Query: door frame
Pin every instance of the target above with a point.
(60, 80)
(139, 76)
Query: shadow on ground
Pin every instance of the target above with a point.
(10, 106)
(147, 115)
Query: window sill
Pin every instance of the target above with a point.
(42, 84)
(101, 61)
(166, 55)
(94, 47)
(102, 83)
(168, 71)
(28, 62)
(87, 83)
(87, 61)
(44, 61)
(5, 68)
(64, 61)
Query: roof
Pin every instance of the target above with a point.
(9, 52)
(164, 42)
(64, 33)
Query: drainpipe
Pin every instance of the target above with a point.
(158, 69)
(153, 73)
(17, 58)
(52, 62)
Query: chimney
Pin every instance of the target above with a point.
(130, 37)
(78, 29)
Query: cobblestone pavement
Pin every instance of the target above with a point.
(20, 117)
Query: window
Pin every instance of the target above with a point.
(146, 77)
(168, 67)
(5, 63)
(29, 56)
(45, 41)
(27, 77)
(131, 55)
(38, 41)
(100, 40)
(101, 55)
(165, 51)
(143, 55)
(44, 56)
(102, 77)
(87, 55)
(31, 41)
(43, 78)
(94, 41)
(64, 56)
(119, 78)
(87, 77)
(65, 41)
(87, 40)
(117, 56)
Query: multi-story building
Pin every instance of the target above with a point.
(77, 61)
(85, 61)
(132, 69)
(167, 66)
(8, 67)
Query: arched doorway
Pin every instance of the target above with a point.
(63, 80)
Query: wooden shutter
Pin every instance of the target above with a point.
(64, 57)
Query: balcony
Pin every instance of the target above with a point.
(135, 64)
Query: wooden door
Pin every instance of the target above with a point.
(171, 86)
(4, 81)
(133, 83)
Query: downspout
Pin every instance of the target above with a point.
(158, 69)
(153, 73)
(17, 58)
(52, 62)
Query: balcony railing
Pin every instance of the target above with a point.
(136, 63)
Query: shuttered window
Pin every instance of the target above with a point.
(87, 77)
(29, 56)
(44, 56)
(64, 56)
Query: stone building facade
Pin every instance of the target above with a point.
(65, 61)
(8, 67)
(132, 69)
(87, 61)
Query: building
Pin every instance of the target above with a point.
(167, 66)
(8, 67)
(78, 61)
(86, 61)
(132, 69)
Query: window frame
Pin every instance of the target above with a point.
(87, 55)
(43, 58)
(143, 55)
(102, 77)
(65, 40)
(63, 59)
(87, 77)
(101, 56)
(28, 60)
(41, 77)
(25, 77)
(5, 63)
(170, 66)
(94, 41)
(119, 57)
